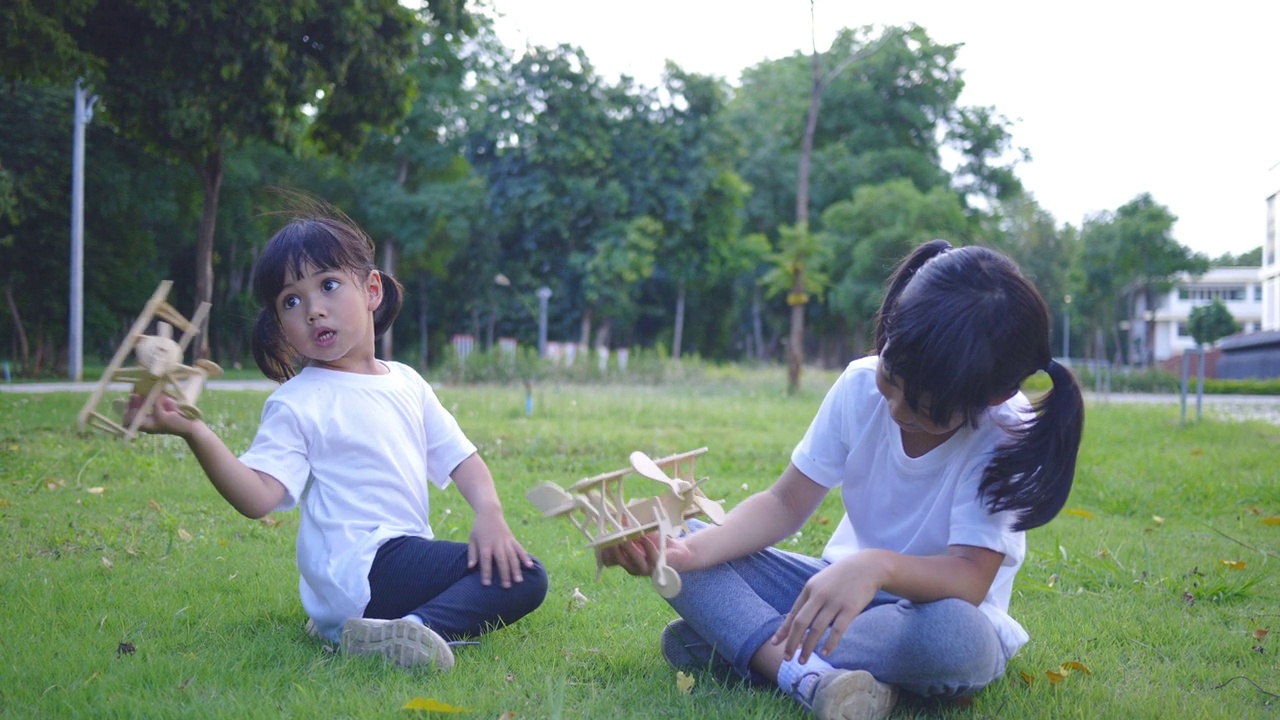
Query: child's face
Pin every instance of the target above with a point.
(912, 421)
(327, 316)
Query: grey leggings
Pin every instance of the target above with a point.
(946, 648)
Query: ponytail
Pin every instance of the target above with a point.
(392, 301)
(270, 352)
(1032, 474)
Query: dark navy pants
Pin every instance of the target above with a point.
(430, 579)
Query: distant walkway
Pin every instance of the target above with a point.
(1225, 407)
(86, 387)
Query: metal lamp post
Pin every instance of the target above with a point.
(1066, 328)
(544, 294)
(75, 329)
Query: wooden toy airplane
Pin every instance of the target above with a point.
(596, 507)
(159, 371)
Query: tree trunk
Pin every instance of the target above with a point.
(211, 178)
(584, 337)
(24, 350)
(422, 320)
(679, 331)
(795, 343)
(757, 324)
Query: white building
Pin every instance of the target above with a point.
(1269, 276)
(1239, 288)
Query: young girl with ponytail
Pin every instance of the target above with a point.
(942, 464)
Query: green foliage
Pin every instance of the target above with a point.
(1209, 323)
(1165, 525)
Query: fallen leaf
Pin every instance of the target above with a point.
(1158, 520)
(1027, 677)
(130, 551)
(1073, 665)
(684, 683)
(1054, 676)
(507, 715)
(1255, 510)
(1234, 564)
(4, 503)
(1053, 580)
(1273, 520)
(184, 534)
(154, 505)
(1079, 513)
(432, 705)
(1260, 633)
(1197, 451)
(577, 600)
(106, 561)
(1104, 553)
(269, 521)
(95, 490)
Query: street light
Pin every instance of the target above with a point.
(75, 331)
(544, 294)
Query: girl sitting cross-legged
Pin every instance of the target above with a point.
(942, 465)
(354, 441)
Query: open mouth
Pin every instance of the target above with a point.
(325, 336)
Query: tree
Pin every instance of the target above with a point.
(882, 112)
(1148, 257)
(1210, 323)
(868, 234)
(193, 79)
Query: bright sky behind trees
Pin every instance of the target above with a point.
(1111, 97)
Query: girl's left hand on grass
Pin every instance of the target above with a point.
(831, 600)
(492, 545)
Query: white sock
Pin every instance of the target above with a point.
(791, 671)
(415, 618)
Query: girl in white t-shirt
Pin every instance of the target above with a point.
(942, 465)
(354, 441)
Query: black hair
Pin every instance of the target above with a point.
(328, 241)
(966, 327)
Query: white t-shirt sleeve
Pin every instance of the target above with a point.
(973, 523)
(447, 445)
(823, 453)
(279, 450)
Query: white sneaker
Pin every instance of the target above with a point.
(852, 695)
(404, 642)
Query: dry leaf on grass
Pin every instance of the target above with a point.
(432, 705)
(684, 683)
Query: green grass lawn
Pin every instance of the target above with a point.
(131, 589)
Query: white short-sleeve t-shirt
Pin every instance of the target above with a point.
(356, 452)
(915, 506)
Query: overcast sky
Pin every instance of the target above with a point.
(1179, 98)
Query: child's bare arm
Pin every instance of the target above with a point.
(491, 544)
(250, 492)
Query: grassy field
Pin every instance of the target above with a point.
(130, 589)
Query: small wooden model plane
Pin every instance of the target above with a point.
(596, 507)
(160, 370)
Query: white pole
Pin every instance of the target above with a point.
(75, 328)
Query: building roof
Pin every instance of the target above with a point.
(1251, 341)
